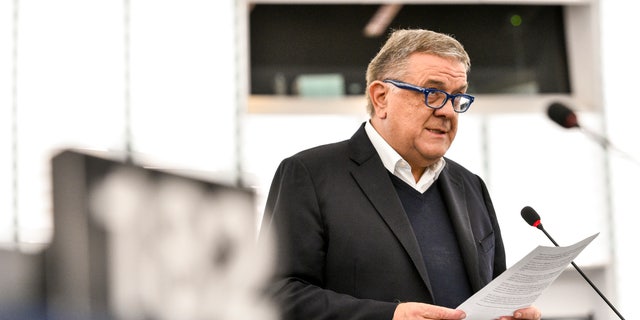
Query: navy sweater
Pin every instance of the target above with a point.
(438, 243)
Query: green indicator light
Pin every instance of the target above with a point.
(516, 20)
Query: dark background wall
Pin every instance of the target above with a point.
(290, 40)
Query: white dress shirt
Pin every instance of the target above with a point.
(400, 167)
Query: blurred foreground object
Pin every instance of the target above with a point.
(21, 285)
(137, 243)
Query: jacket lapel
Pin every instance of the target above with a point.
(373, 178)
(453, 193)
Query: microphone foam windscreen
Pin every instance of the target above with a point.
(530, 215)
(562, 115)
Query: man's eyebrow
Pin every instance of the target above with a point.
(439, 85)
(463, 88)
(435, 84)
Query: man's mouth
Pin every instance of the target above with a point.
(438, 131)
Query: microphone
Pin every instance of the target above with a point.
(566, 118)
(562, 115)
(533, 219)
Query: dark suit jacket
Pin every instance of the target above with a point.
(345, 247)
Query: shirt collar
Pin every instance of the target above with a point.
(393, 162)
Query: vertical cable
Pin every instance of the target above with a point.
(14, 127)
(127, 82)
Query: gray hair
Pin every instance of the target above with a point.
(391, 60)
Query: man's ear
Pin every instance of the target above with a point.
(378, 93)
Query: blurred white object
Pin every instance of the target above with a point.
(181, 251)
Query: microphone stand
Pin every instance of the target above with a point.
(584, 276)
(607, 145)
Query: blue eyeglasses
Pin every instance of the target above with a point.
(436, 99)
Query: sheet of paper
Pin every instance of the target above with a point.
(520, 285)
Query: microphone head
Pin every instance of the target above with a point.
(562, 115)
(531, 216)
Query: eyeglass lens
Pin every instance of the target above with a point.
(437, 99)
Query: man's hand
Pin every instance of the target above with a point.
(422, 311)
(529, 313)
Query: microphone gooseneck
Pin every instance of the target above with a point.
(533, 219)
(566, 118)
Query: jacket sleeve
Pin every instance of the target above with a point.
(293, 215)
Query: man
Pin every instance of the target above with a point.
(383, 226)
